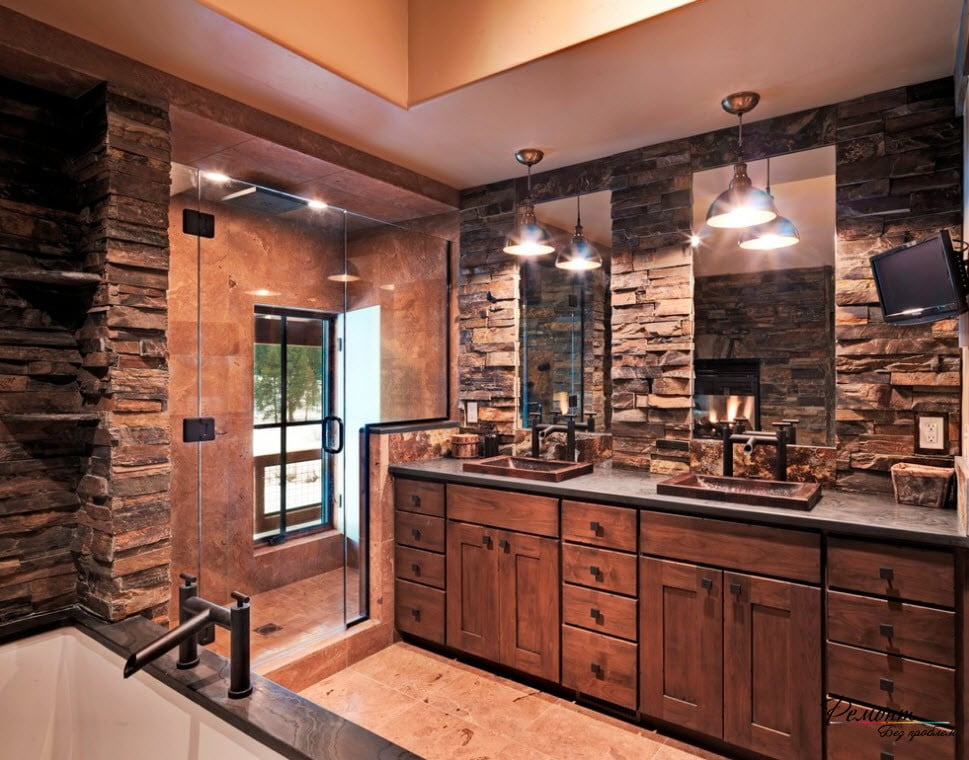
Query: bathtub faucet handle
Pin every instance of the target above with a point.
(240, 598)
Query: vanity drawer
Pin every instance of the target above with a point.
(794, 554)
(847, 740)
(901, 572)
(419, 496)
(420, 566)
(599, 666)
(599, 525)
(894, 627)
(600, 612)
(925, 691)
(504, 509)
(419, 610)
(599, 568)
(420, 531)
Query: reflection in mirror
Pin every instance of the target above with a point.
(565, 355)
(764, 320)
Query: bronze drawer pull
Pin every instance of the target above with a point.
(415, 499)
(416, 533)
(503, 543)
(886, 573)
(594, 613)
(486, 540)
(595, 527)
(597, 669)
(886, 684)
(887, 630)
(736, 588)
(415, 613)
(594, 570)
(415, 569)
(706, 583)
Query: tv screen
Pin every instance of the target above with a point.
(924, 282)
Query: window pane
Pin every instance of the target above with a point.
(304, 369)
(266, 472)
(266, 370)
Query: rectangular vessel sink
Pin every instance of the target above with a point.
(760, 493)
(549, 470)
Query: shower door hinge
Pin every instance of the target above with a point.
(339, 344)
(198, 429)
(198, 223)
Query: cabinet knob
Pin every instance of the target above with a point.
(596, 668)
(707, 583)
(503, 543)
(415, 613)
(595, 527)
(594, 570)
(415, 499)
(886, 684)
(736, 589)
(416, 533)
(594, 613)
(486, 540)
(886, 573)
(887, 630)
(415, 569)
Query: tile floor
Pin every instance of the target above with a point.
(440, 708)
(303, 612)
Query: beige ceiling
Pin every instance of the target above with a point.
(655, 80)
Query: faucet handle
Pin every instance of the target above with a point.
(188, 578)
(241, 599)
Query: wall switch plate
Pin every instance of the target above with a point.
(471, 412)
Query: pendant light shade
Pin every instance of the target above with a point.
(741, 204)
(529, 238)
(779, 232)
(580, 255)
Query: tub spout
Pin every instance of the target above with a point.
(166, 642)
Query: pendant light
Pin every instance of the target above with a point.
(779, 232)
(580, 255)
(528, 238)
(741, 204)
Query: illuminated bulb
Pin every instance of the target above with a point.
(694, 240)
(217, 177)
(317, 205)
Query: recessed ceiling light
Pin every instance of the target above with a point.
(317, 205)
(217, 177)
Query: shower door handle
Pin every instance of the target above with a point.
(339, 426)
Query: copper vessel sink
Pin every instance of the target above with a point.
(548, 470)
(760, 493)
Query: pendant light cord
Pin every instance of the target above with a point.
(740, 139)
(578, 210)
(768, 176)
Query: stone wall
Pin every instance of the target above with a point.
(84, 423)
(896, 149)
(784, 318)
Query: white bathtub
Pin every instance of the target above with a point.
(62, 697)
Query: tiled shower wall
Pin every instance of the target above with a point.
(898, 177)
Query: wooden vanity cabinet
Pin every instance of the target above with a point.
(727, 654)
(503, 585)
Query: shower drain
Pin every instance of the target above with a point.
(268, 628)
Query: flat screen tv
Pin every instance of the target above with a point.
(921, 282)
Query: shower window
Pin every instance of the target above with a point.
(291, 400)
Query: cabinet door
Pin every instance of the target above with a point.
(681, 645)
(472, 589)
(530, 603)
(772, 666)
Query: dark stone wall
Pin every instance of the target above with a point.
(898, 176)
(83, 255)
(785, 318)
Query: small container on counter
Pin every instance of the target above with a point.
(922, 485)
(465, 445)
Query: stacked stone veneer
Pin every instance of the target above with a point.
(83, 385)
(783, 317)
(896, 150)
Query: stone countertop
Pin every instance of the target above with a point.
(853, 514)
(277, 717)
